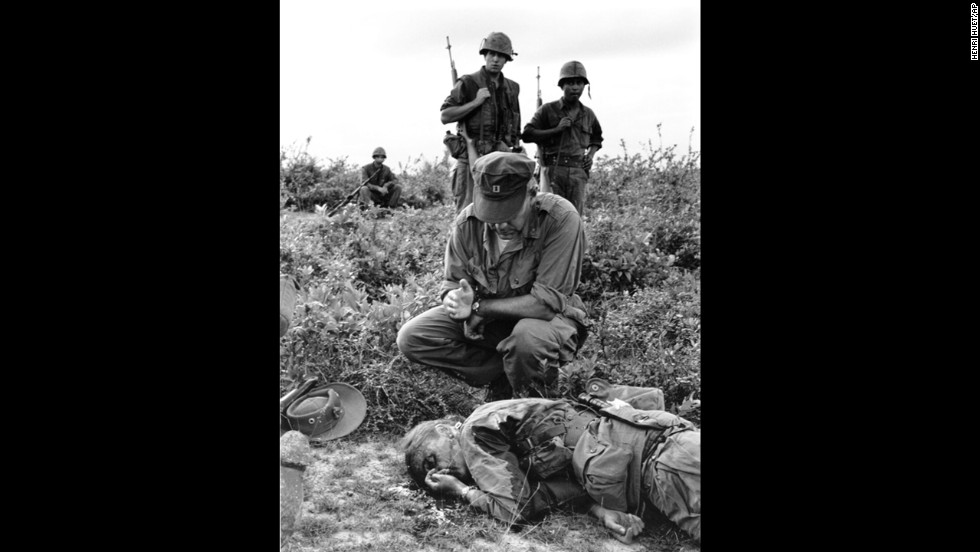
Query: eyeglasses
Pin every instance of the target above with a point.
(380, 157)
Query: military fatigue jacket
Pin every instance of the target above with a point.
(382, 177)
(529, 456)
(546, 261)
(516, 454)
(584, 132)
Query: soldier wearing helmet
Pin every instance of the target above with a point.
(381, 187)
(485, 103)
(568, 133)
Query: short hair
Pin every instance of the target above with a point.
(413, 442)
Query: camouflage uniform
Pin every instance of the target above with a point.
(530, 456)
(526, 352)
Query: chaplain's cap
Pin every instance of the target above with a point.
(501, 185)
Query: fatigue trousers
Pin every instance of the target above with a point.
(672, 480)
(390, 200)
(526, 352)
(569, 183)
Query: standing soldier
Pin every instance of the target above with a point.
(381, 187)
(485, 105)
(569, 134)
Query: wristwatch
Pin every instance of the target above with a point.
(475, 308)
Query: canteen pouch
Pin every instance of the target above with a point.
(456, 144)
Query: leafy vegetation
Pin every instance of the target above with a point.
(364, 273)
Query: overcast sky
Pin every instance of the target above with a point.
(354, 78)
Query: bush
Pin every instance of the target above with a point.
(304, 184)
(644, 220)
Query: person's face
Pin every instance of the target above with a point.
(512, 228)
(573, 88)
(495, 61)
(442, 451)
(379, 159)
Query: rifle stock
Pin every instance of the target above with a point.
(470, 151)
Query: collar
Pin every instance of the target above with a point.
(489, 79)
(563, 106)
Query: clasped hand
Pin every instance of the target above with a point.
(441, 481)
(459, 304)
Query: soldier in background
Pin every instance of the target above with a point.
(381, 188)
(486, 104)
(569, 135)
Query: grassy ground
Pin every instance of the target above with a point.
(358, 497)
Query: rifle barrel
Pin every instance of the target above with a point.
(539, 86)
(452, 64)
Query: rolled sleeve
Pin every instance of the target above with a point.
(560, 267)
(457, 96)
(595, 138)
(456, 256)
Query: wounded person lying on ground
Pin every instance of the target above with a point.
(518, 460)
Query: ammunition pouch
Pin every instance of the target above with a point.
(456, 144)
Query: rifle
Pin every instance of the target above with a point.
(543, 181)
(539, 87)
(452, 64)
(351, 195)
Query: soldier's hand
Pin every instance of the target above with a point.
(473, 327)
(621, 525)
(382, 190)
(482, 95)
(587, 164)
(459, 302)
(564, 123)
(441, 482)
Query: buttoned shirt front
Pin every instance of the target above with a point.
(584, 132)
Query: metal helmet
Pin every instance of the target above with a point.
(379, 151)
(572, 69)
(498, 42)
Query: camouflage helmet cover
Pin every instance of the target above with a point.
(498, 42)
(379, 151)
(572, 69)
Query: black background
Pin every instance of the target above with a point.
(821, 163)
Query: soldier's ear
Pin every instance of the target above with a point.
(445, 430)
